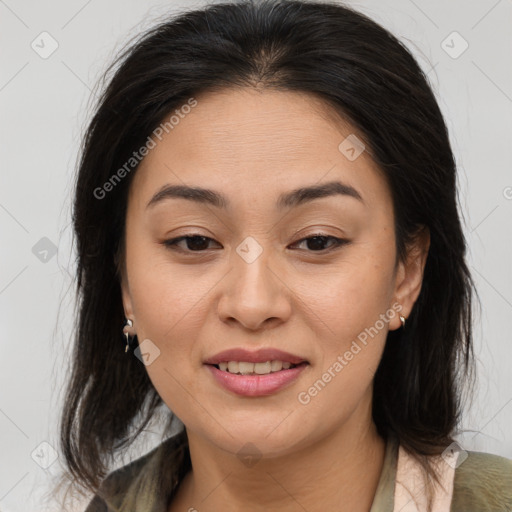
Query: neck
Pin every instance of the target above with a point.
(339, 472)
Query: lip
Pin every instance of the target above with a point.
(256, 385)
(258, 356)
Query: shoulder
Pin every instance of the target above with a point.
(116, 484)
(483, 481)
(120, 483)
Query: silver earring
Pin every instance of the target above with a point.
(402, 319)
(126, 328)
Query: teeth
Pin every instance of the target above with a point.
(276, 366)
(245, 368)
(262, 368)
(233, 366)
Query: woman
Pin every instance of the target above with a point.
(266, 215)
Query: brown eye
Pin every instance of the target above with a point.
(194, 243)
(316, 242)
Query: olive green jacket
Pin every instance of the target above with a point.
(480, 483)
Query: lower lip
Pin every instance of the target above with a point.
(256, 385)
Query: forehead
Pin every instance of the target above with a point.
(252, 143)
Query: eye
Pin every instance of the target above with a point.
(319, 239)
(198, 243)
(194, 243)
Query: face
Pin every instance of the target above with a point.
(312, 275)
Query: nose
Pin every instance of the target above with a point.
(255, 293)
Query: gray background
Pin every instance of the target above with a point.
(45, 105)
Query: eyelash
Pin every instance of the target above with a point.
(172, 243)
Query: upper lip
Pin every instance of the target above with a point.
(256, 356)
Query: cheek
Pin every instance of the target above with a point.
(166, 296)
(351, 313)
(169, 310)
(349, 298)
(351, 320)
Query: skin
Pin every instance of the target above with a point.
(251, 145)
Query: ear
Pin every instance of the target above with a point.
(409, 276)
(127, 300)
(125, 290)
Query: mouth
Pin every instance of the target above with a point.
(252, 373)
(263, 368)
(248, 379)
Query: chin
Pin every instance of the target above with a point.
(262, 439)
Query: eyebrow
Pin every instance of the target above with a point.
(290, 199)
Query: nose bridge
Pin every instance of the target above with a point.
(255, 292)
(252, 265)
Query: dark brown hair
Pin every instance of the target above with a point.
(368, 77)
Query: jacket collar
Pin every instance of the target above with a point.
(147, 492)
